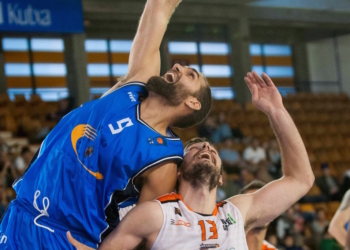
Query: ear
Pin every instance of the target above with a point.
(178, 174)
(193, 103)
(220, 181)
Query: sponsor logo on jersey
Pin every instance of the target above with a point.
(208, 246)
(132, 97)
(158, 141)
(179, 223)
(3, 239)
(177, 211)
(89, 151)
(227, 222)
(88, 132)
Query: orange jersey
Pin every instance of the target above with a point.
(187, 230)
(268, 246)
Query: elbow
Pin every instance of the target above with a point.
(310, 180)
(331, 229)
(307, 181)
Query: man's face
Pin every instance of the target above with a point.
(201, 166)
(177, 84)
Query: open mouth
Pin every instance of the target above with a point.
(206, 156)
(171, 76)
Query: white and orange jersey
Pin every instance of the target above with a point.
(185, 229)
(268, 246)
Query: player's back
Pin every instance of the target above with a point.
(94, 152)
(184, 229)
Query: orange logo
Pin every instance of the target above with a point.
(80, 131)
(160, 140)
(180, 223)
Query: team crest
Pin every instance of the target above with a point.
(177, 211)
(158, 141)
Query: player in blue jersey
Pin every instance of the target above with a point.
(109, 153)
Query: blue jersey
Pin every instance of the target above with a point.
(87, 165)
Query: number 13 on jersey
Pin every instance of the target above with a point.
(213, 229)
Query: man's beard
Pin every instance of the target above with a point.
(174, 93)
(201, 174)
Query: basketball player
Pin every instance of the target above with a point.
(191, 219)
(340, 221)
(109, 153)
(256, 236)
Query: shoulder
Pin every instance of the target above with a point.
(147, 211)
(134, 86)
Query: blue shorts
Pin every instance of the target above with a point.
(18, 231)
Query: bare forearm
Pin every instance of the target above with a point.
(295, 161)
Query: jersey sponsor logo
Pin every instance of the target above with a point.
(132, 97)
(177, 211)
(89, 151)
(208, 246)
(227, 222)
(80, 131)
(179, 223)
(123, 123)
(158, 141)
(3, 239)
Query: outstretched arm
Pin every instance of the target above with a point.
(144, 60)
(269, 202)
(336, 228)
(142, 222)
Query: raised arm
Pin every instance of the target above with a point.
(142, 222)
(336, 228)
(276, 197)
(144, 59)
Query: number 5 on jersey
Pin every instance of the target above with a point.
(126, 122)
(213, 230)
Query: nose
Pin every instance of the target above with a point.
(206, 145)
(177, 67)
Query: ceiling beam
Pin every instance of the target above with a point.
(208, 13)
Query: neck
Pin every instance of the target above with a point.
(200, 200)
(255, 238)
(156, 114)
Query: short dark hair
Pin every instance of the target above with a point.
(252, 186)
(199, 140)
(203, 95)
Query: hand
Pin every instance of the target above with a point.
(265, 95)
(77, 244)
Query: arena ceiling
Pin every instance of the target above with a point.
(325, 15)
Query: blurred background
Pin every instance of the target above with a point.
(58, 54)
